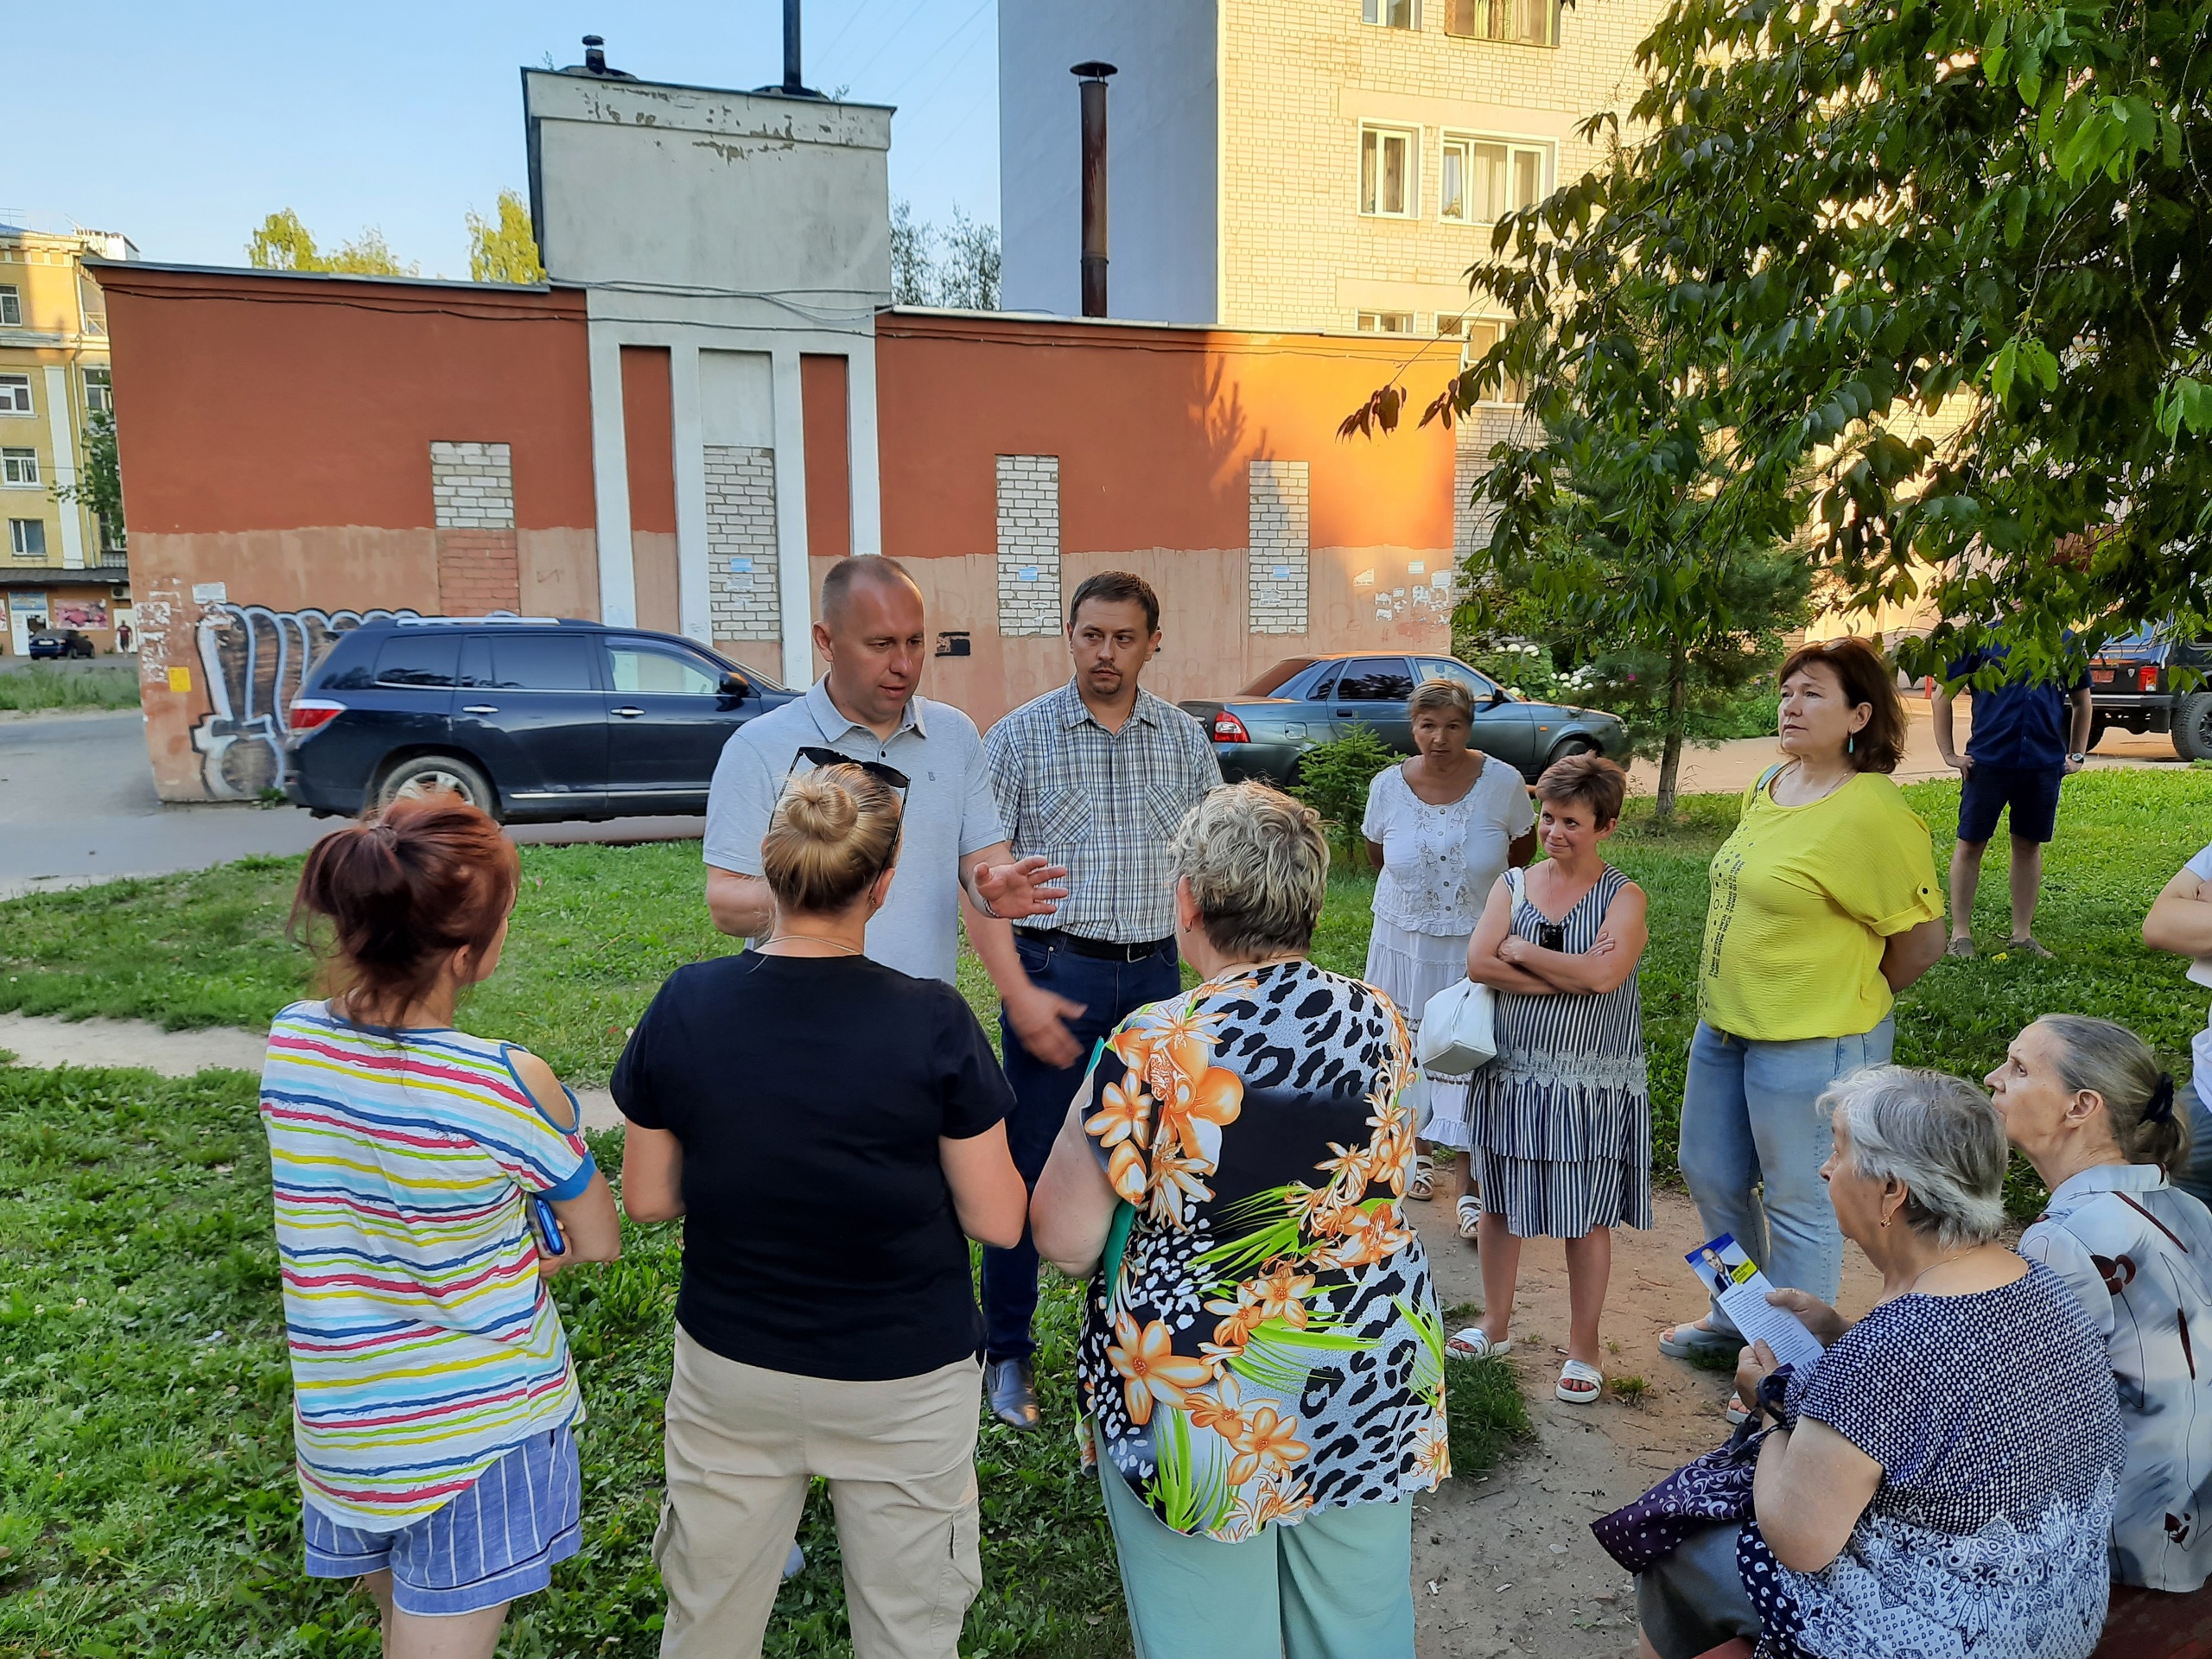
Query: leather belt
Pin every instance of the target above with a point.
(1098, 950)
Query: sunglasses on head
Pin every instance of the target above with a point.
(818, 756)
(891, 776)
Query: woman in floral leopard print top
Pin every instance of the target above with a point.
(1262, 1358)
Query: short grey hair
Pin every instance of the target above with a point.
(1258, 866)
(1935, 1133)
(1441, 697)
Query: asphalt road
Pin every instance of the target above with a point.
(77, 806)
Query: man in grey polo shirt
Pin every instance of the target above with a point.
(952, 844)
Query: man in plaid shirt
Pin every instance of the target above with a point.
(1095, 775)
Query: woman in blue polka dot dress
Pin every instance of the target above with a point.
(1940, 1481)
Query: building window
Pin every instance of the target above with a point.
(1387, 157)
(1484, 179)
(1524, 22)
(27, 538)
(1482, 334)
(14, 394)
(11, 307)
(19, 466)
(1391, 14)
(1385, 322)
(99, 393)
(112, 547)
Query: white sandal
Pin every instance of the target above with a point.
(1423, 1184)
(1575, 1371)
(1471, 1343)
(1471, 1214)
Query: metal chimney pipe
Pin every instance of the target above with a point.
(792, 83)
(1093, 75)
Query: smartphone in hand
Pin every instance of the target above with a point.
(546, 1225)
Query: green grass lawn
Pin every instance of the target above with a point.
(42, 685)
(146, 1502)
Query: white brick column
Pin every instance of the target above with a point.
(1029, 544)
(744, 592)
(1280, 533)
(473, 486)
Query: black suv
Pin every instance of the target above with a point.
(527, 717)
(2134, 685)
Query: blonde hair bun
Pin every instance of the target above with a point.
(834, 831)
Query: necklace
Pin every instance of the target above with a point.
(1944, 1262)
(1796, 771)
(814, 939)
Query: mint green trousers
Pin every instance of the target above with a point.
(1338, 1584)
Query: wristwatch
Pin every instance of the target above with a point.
(2078, 760)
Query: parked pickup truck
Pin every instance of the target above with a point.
(2134, 684)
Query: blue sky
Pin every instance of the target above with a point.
(184, 124)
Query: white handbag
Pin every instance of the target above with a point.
(1458, 1031)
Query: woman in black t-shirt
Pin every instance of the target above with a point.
(832, 1131)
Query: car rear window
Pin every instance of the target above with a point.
(541, 662)
(407, 659)
(1272, 681)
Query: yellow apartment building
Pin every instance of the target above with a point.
(61, 566)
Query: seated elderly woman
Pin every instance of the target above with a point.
(1262, 1357)
(1941, 1480)
(2088, 1104)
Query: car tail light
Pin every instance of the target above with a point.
(309, 713)
(1227, 728)
(2146, 678)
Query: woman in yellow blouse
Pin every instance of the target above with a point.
(1824, 906)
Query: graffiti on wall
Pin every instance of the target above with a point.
(255, 659)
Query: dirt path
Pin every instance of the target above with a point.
(1505, 1565)
(38, 1040)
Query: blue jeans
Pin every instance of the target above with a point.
(1109, 993)
(2195, 1177)
(1753, 1141)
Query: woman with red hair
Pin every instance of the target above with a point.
(427, 1183)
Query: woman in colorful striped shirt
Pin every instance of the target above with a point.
(434, 1392)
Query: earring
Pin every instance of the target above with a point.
(1851, 744)
(1886, 1220)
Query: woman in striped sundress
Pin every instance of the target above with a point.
(433, 1395)
(1562, 1119)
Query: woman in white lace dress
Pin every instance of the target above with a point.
(1441, 828)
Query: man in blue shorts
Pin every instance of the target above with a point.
(2026, 738)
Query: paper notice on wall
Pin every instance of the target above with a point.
(179, 679)
(1418, 567)
(1741, 1289)
(210, 592)
(1364, 579)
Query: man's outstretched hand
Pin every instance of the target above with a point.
(1028, 886)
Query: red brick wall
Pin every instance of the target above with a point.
(478, 572)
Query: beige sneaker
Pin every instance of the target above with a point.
(1960, 950)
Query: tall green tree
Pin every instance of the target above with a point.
(1672, 626)
(504, 249)
(1844, 215)
(964, 274)
(100, 475)
(282, 242)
